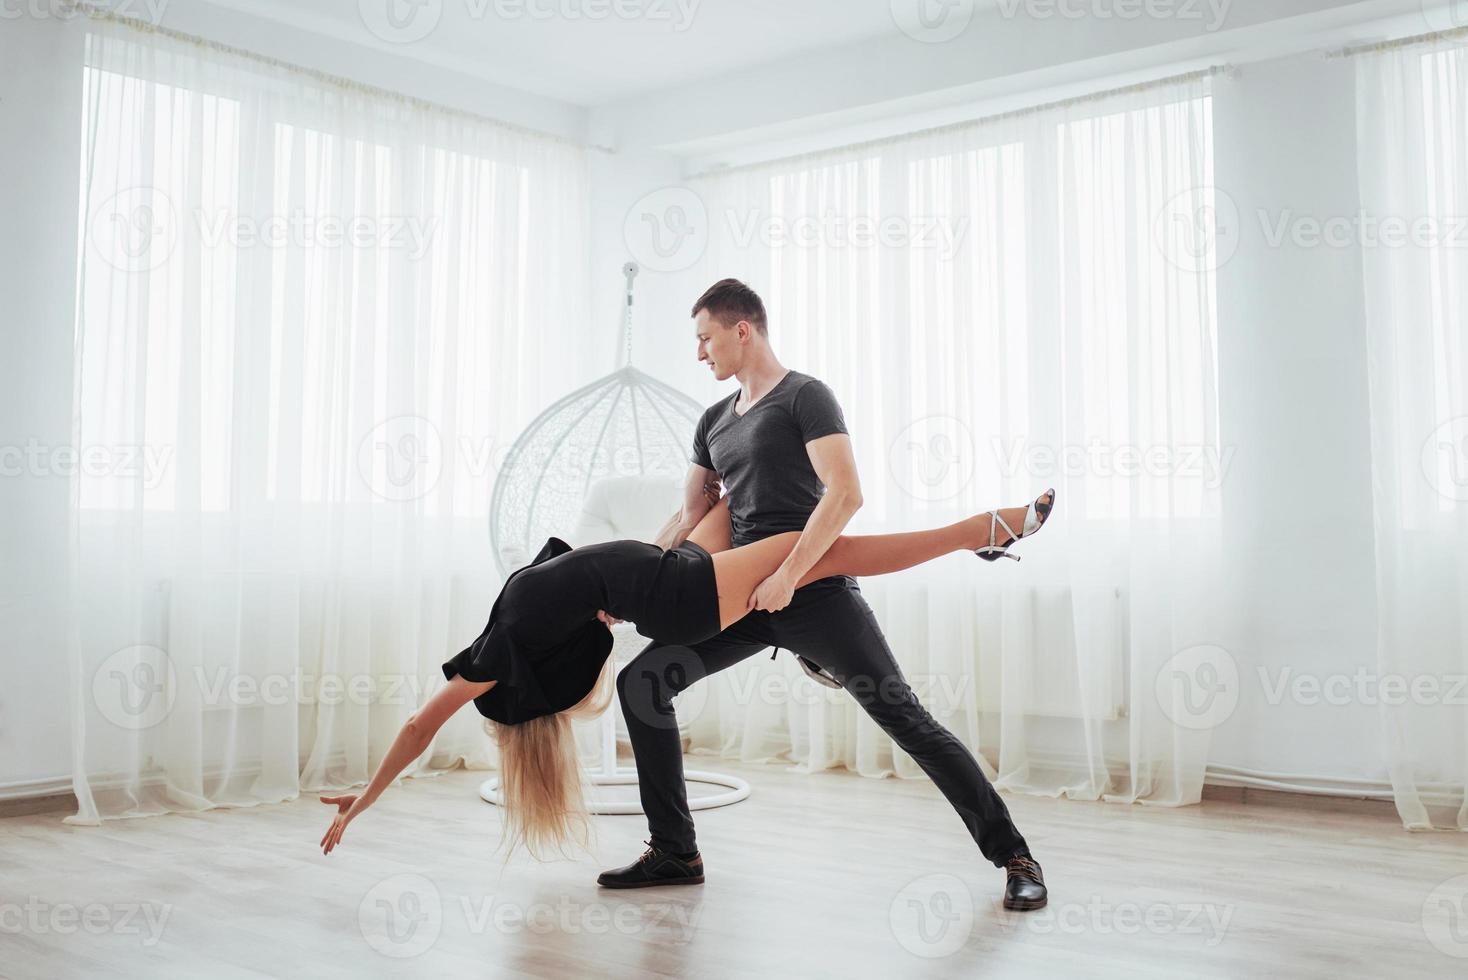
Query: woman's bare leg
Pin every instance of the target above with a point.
(741, 570)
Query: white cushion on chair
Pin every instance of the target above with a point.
(626, 507)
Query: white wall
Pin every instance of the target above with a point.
(40, 139)
(388, 69)
(895, 84)
(663, 343)
(1293, 393)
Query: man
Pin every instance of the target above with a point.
(781, 448)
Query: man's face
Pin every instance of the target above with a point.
(719, 347)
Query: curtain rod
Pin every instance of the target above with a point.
(1192, 76)
(339, 81)
(1456, 34)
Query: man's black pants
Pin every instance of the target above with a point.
(829, 623)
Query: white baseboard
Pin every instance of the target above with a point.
(30, 790)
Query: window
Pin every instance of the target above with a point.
(292, 294)
(1006, 305)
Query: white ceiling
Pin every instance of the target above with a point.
(581, 51)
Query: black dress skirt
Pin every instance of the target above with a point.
(543, 644)
(670, 595)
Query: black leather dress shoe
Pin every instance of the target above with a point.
(1025, 891)
(655, 867)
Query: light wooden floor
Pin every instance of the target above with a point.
(829, 875)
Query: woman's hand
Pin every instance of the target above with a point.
(713, 490)
(413, 739)
(347, 808)
(608, 618)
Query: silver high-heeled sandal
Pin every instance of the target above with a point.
(1035, 518)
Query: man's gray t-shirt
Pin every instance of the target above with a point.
(761, 455)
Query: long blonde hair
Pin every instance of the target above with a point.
(540, 776)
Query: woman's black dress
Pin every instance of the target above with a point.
(543, 644)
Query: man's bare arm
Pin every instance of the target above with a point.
(835, 464)
(670, 530)
(700, 493)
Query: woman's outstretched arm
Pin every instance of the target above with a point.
(413, 740)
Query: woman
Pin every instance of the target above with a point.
(542, 661)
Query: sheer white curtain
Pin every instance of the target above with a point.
(1001, 307)
(1413, 133)
(311, 318)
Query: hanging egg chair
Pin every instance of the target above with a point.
(626, 424)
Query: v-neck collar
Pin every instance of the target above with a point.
(758, 401)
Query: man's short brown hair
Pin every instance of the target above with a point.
(729, 301)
